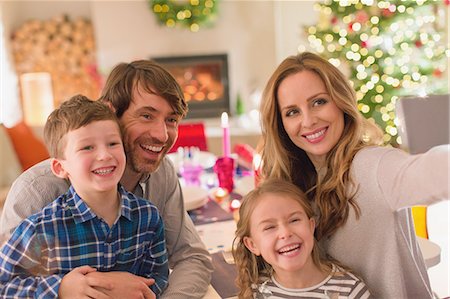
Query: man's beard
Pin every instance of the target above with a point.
(139, 164)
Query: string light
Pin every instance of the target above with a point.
(387, 63)
(189, 14)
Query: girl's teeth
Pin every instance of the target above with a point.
(288, 249)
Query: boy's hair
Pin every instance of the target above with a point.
(73, 114)
(148, 76)
(250, 266)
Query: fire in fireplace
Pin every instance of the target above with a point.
(204, 80)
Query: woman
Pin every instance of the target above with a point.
(315, 137)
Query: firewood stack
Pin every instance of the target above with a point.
(65, 48)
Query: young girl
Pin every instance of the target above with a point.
(276, 253)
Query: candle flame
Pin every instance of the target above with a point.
(221, 192)
(235, 204)
(224, 119)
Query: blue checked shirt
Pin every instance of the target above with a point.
(66, 234)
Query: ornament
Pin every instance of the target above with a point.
(386, 13)
(350, 26)
(361, 17)
(334, 20)
(437, 73)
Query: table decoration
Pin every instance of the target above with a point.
(226, 149)
(205, 159)
(224, 168)
(191, 173)
(235, 204)
(219, 194)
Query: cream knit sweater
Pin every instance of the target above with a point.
(381, 245)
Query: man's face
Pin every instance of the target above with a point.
(151, 129)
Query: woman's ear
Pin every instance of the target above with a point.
(250, 244)
(58, 168)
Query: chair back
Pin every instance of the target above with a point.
(423, 122)
(28, 147)
(191, 134)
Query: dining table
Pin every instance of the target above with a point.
(216, 226)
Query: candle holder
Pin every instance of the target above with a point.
(224, 169)
(220, 194)
(191, 173)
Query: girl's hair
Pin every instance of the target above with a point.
(147, 75)
(281, 158)
(76, 112)
(251, 267)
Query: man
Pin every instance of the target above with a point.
(149, 104)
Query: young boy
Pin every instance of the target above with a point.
(95, 224)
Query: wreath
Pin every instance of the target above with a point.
(185, 13)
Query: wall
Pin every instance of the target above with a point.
(257, 35)
(244, 30)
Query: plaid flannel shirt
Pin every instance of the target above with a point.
(66, 234)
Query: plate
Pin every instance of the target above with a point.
(244, 185)
(205, 159)
(194, 197)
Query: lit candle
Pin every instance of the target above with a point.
(234, 208)
(226, 135)
(220, 194)
(235, 204)
(256, 168)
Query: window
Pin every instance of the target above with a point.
(10, 111)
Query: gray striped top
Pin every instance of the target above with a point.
(338, 285)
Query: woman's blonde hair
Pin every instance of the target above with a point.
(283, 159)
(251, 267)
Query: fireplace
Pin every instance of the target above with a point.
(204, 80)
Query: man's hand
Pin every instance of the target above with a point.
(124, 285)
(76, 284)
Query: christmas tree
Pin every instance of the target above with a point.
(388, 49)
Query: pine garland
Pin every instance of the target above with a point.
(191, 14)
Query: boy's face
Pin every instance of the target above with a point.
(151, 128)
(94, 158)
(282, 233)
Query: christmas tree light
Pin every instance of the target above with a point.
(388, 49)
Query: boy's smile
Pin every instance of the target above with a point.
(93, 161)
